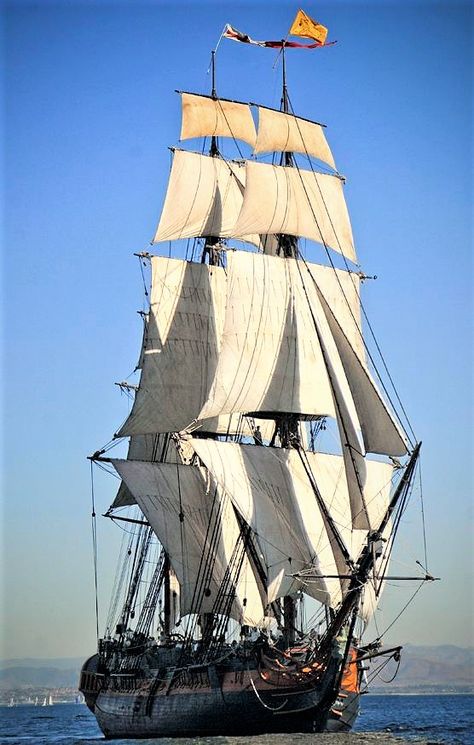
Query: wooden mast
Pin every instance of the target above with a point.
(288, 423)
(212, 240)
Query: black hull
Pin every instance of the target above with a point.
(202, 714)
(233, 703)
(344, 713)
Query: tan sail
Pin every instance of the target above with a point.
(204, 198)
(164, 492)
(260, 486)
(273, 493)
(270, 355)
(284, 132)
(203, 116)
(184, 328)
(271, 350)
(292, 201)
(181, 350)
(380, 431)
(148, 448)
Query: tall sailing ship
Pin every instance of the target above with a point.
(252, 559)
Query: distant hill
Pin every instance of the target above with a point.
(422, 668)
(61, 663)
(40, 672)
(444, 667)
(37, 677)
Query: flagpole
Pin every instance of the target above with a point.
(284, 99)
(220, 37)
(215, 50)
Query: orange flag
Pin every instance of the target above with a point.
(304, 26)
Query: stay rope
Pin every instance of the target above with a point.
(94, 552)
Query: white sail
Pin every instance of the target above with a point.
(329, 472)
(182, 344)
(260, 486)
(184, 514)
(293, 201)
(203, 116)
(271, 489)
(284, 132)
(181, 347)
(341, 292)
(204, 198)
(270, 354)
(149, 448)
(275, 346)
(380, 431)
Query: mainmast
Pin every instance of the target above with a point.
(211, 240)
(287, 244)
(288, 424)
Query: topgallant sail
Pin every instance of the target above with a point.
(254, 560)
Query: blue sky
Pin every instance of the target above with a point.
(89, 111)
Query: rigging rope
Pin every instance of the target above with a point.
(340, 285)
(423, 521)
(402, 611)
(94, 550)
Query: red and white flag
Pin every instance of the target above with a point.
(232, 33)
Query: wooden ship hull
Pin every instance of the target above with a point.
(209, 700)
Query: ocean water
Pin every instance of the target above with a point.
(384, 719)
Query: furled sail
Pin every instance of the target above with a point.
(139, 364)
(284, 132)
(271, 490)
(204, 116)
(204, 198)
(293, 201)
(198, 530)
